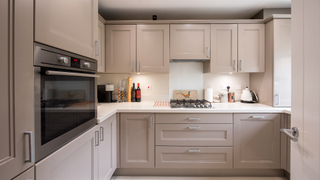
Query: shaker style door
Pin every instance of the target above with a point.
(101, 60)
(16, 78)
(120, 48)
(69, 25)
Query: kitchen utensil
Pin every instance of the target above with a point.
(209, 94)
(248, 96)
(224, 96)
(105, 92)
(231, 97)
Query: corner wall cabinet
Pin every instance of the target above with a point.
(237, 48)
(120, 48)
(17, 88)
(101, 59)
(190, 41)
(136, 140)
(257, 141)
(75, 32)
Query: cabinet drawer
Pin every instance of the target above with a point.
(194, 134)
(194, 118)
(194, 157)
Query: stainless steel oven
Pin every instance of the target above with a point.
(65, 97)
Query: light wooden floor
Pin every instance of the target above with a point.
(193, 178)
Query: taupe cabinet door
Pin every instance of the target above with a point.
(251, 47)
(137, 140)
(190, 41)
(74, 161)
(120, 48)
(68, 25)
(224, 47)
(257, 141)
(16, 72)
(107, 149)
(153, 48)
(101, 59)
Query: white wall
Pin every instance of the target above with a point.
(182, 76)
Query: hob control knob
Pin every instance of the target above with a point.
(198, 106)
(63, 60)
(201, 105)
(86, 65)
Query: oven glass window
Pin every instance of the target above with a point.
(66, 103)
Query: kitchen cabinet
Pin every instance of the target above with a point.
(224, 48)
(27, 175)
(274, 86)
(70, 25)
(137, 140)
(17, 110)
(101, 60)
(251, 47)
(257, 141)
(153, 48)
(236, 48)
(190, 41)
(120, 48)
(194, 157)
(74, 161)
(107, 149)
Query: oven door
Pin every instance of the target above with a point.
(65, 107)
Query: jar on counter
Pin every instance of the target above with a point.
(231, 97)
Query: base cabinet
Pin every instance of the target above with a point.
(27, 175)
(74, 161)
(107, 149)
(257, 141)
(137, 140)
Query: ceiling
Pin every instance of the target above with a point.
(185, 9)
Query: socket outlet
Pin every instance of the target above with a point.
(224, 86)
(148, 87)
(238, 86)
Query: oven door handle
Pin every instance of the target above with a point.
(59, 73)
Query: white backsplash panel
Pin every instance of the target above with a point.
(186, 76)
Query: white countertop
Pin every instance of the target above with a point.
(106, 110)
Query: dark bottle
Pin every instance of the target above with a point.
(133, 94)
(138, 93)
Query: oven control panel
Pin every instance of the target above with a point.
(75, 62)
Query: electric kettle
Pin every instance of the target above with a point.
(249, 96)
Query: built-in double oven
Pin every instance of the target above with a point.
(65, 97)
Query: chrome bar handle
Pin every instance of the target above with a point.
(207, 48)
(241, 65)
(293, 133)
(278, 99)
(193, 119)
(194, 150)
(101, 133)
(132, 66)
(97, 138)
(60, 73)
(31, 158)
(139, 66)
(235, 65)
(151, 121)
(190, 127)
(98, 47)
(257, 117)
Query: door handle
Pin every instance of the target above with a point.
(132, 66)
(257, 117)
(139, 66)
(97, 41)
(101, 133)
(193, 119)
(207, 49)
(31, 158)
(193, 127)
(235, 65)
(150, 121)
(97, 138)
(241, 65)
(278, 99)
(293, 133)
(194, 150)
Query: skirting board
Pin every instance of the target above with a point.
(199, 172)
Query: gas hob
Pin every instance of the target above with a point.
(190, 103)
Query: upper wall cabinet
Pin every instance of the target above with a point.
(237, 48)
(120, 48)
(251, 43)
(153, 48)
(68, 25)
(224, 47)
(101, 55)
(190, 41)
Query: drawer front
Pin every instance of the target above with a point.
(194, 134)
(194, 157)
(194, 118)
